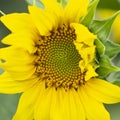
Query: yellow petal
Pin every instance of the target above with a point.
(44, 21)
(88, 53)
(66, 105)
(13, 57)
(25, 64)
(103, 91)
(42, 107)
(20, 72)
(8, 85)
(75, 107)
(26, 104)
(16, 67)
(75, 9)
(26, 37)
(59, 105)
(17, 62)
(90, 72)
(57, 110)
(94, 109)
(83, 34)
(55, 8)
(18, 22)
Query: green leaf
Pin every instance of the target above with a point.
(116, 60)
(91, 11)
(106, 66)
(102, 27)
(63, 2)
(113, 77)
(100, 47)
(111, 49)
(117, 83)
(35, 2)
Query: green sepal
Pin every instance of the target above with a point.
(99, 47)
(62, 2)
(102, 27)
(111, 49)
(106, 67)
(1, 70)
(116, 60)
(91, 12)
(35, 2)
(117, 83)
(114, 78)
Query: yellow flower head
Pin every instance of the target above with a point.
(51, 59)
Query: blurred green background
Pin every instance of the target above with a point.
(8, 103)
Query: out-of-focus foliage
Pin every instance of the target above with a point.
(35, 2)
(8, 105)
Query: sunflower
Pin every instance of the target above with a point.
(51, 60)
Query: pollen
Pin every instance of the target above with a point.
(57, 59)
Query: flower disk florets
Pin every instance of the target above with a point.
(58, 60)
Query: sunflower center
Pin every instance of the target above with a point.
(63, 57)
(57, 60)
